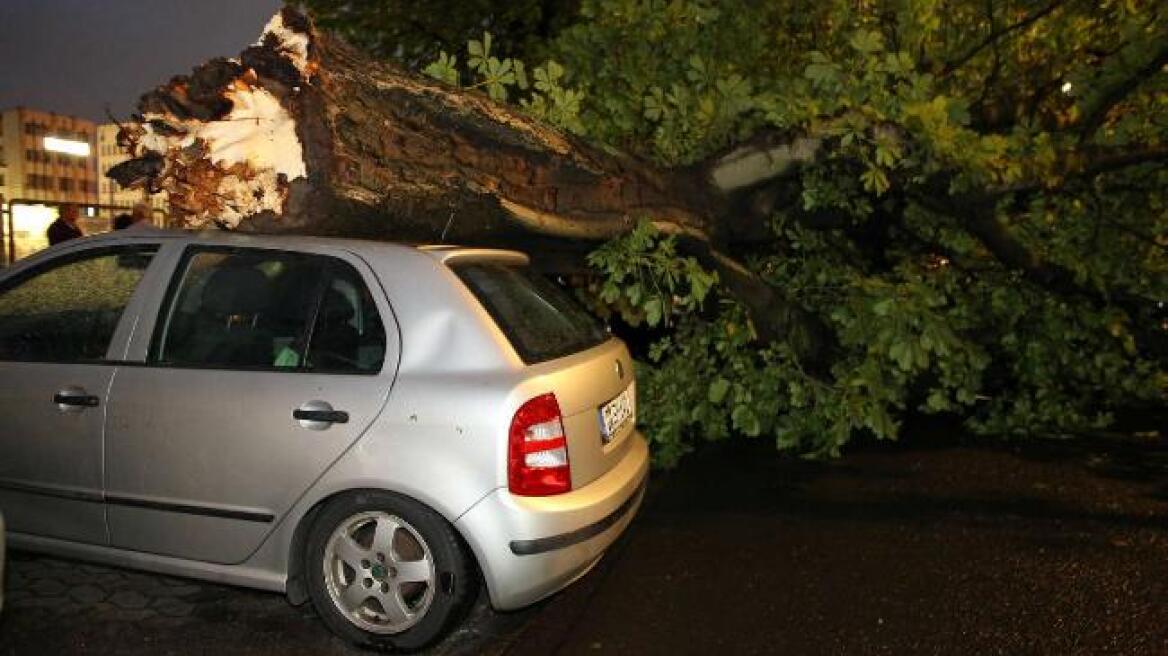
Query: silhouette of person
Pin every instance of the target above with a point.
(65, 227)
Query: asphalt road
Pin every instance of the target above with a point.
(1038, 548)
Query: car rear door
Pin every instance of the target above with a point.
(63, 324)
(262, 368)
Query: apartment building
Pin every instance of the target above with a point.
(47, 157)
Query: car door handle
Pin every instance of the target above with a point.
(75, 399)
(327, 416)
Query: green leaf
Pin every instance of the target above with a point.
(718, 390)
(867, 42)
(822, 74)
(937, 401)
(554, 71)
(902, 354)
(744, 419)
(880, 422)
(444, 69)
(654, 311)
(875, 180)
(520, 74)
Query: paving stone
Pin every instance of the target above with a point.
(150, 589)
(137, 579)
(173, 608)
(107, 578)
(96, 570)
(185, 590)
(46, 602)
(129, 599)
(50, 564)
(48, 587)
(138, 615)
(70, 606)
(87, 594)
(185, 586)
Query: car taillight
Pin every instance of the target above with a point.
(537, 463)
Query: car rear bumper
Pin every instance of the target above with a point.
(531, 547)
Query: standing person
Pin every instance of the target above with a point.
(65, 227)
(141, 216)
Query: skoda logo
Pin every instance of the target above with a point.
(620, 370)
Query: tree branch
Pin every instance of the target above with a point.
(775, 317)
(1101, 103)
(979, 216)
(997, 35)
(760, 161)
(1087, 162)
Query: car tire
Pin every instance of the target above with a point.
(386, 572)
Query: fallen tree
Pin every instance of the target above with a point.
(304, 134)
(872, 195)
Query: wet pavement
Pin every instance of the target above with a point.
(1035, 548)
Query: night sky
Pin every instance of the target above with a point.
(78, 56)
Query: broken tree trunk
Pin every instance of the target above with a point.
(304, 134)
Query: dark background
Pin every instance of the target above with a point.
(79, 56)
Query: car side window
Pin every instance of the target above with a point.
(67, 309)
(348, 336)
(260, 309)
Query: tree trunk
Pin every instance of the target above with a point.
(387, 154)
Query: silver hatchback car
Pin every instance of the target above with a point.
(374, 427)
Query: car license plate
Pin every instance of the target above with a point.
(615, 413)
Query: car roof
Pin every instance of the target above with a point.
(439, 252)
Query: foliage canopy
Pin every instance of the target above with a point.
(981, 231)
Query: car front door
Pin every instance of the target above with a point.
(63, 323)
(263, 367)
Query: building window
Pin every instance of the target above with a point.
(65, 184)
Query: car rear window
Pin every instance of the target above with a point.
(542, 320)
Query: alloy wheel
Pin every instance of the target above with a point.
(379, 572)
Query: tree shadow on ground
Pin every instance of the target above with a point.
(1116, 456)
(915, 482)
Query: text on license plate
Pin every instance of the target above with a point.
(615, 413)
